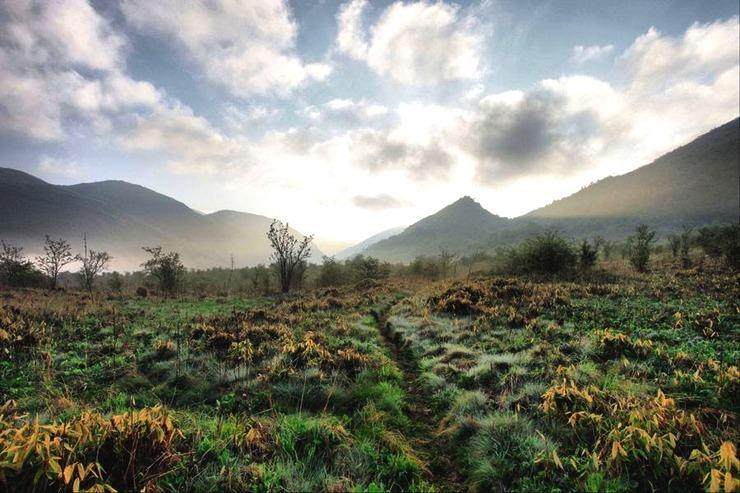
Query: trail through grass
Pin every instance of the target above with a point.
(423, 432)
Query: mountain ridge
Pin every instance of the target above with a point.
(122, 217)
(695, 184)
(455, 227)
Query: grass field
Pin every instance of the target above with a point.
(616, 383)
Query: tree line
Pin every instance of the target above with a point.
(164, 272)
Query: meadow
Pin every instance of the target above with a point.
(614, 381)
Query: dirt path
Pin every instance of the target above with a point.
(423, 430)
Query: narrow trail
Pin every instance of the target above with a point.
(423, 430)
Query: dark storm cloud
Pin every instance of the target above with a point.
(537, 133)
(516, 139)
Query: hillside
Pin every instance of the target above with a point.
(694, 184)
(121, 217)
(366, 243)
(459, 227)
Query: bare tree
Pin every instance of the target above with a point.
(289, 254)
(57, 254)
(93, 263)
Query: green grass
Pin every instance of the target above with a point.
(528, 390)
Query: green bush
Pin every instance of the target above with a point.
(547, 253)
(639, 247)
(587, 254)
(721, 242)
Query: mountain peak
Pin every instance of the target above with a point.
(465, 200)
(467, 206)
(453, 228)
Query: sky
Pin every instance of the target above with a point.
(346, 118)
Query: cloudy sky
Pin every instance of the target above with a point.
(350, 117)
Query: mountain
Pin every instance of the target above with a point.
(121, 217)
(695, 184)
(364, 244)
(459, 227)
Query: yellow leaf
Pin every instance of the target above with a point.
(68, 471)
(715, 482)
(617, 450)
(76, 486)
(728, 456)
(729, 483)
(556, 459)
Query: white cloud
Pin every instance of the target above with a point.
(61, 61)
(655, 61)
(49, 165)
(240, 119)
(188, 143)
(582, 54)
(555, 128)
(62, 31)
(414, 43)
(55, 75)
(346, 111)
(245, 45)
(350, 34)
(674, 89)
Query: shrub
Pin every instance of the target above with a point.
(587, 255)
(15, 269)
(639, 247)
(115, 282)
(363, 267)
(166, 267)
(674, 244)
(127, 452)
(332, 273)
(721, 242)
(685, 247)
(547, 253)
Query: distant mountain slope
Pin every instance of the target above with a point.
(694, 185)
(459, 227)
(698, 181)
(364, 244)
(122, 217)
